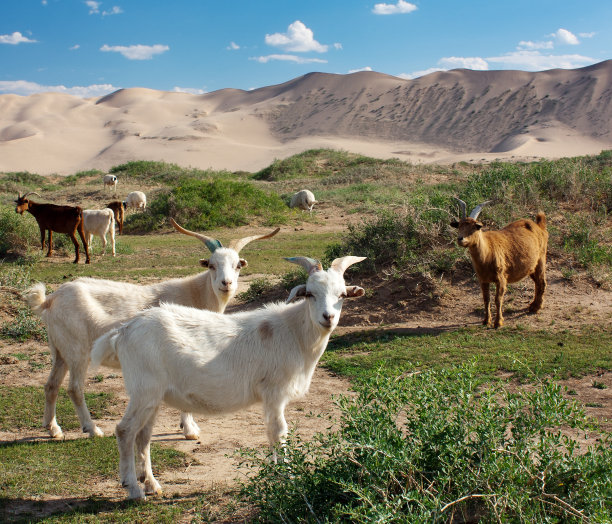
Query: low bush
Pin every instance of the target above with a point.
(436, 447)
(17, 232)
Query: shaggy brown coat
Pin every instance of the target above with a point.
(119, 212)
(506, 256)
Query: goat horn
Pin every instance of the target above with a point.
(463, 207)
(211, 243)
(341, 264)
(237, 245)
(309, 264)
(31, 193)
(476, 211)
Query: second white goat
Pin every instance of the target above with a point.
(210, 363)
(99, 222)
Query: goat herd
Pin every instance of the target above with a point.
(175, 345)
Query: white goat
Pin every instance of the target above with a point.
(82, 310)
(99, 222)
(137, 200)
(211, 363)
(110, 181)
(303, 199)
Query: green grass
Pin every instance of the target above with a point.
(522, 352)
(22, 407)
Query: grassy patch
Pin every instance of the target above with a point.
(511, 349)
(22, 407)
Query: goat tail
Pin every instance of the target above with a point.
(541, 220)
(105, 350)
(36, 298)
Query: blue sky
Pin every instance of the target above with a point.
(90, 48)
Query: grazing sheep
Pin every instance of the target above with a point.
(119, 212)
(99, 222)
(51, 217)
(80, 311)
(137, 200)
(110, 181)
(303, 199)
(505, 256)
(212, 363)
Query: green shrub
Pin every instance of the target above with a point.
(257, 289)
(435, 447)
(17, 232)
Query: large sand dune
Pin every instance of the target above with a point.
(441, 117)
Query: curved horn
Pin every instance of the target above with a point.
(341, 264)
(476, 211)
(238, 244)
(309, 264)
(463, 207)
(211, 243)
(31, 193)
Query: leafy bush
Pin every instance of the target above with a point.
(16, 232)
(258, 288)
(434, 447)
(160, 172)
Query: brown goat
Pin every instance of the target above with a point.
(119, 212)
(51, 217)
(505, 256)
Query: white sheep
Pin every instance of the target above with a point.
(110, 181)
(210, 363)
(99, 222)
(137, 200)
(303, 199)
(80, 311)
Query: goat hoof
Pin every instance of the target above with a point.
(192, 436)
(56, 433)
(95, 432)
(153, 488)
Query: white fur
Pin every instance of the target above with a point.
(303, 199)
(137, 200)
(80, 311)
(211, 363)
(99, 222)
(110, 181)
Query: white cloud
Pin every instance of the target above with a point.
(587, 35)
(564, 36)
(233, 46)
(528, 44)
(94, 7)
(466, 62)
(298, 39)
(337, 45)
(417, 74)
(190, 90)
(74, 47)
(394, 9)
(136, 52)
(22, 87)
(367, 68)
(288, 58)
(44, 2)
(536, 61)
(116, 10)
(15, 38)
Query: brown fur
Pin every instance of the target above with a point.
(119, 213)
(506, 256)
(61, 219)
(265, 330)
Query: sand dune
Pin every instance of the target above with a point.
(442, 117)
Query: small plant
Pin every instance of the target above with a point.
(599, 385)
(257, 289)
(99, 378)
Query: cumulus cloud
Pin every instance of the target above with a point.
(337, 45)
(25, 88)
(233, 46)
(528, 44)
(94, 7)
(394, 9)
(15, 38)
(74, 47)
(288, 58)
(366, 68)
(116, 10)
(190, 90)
(297, 39)
(466, 62)
(136, 52)
(536, 61)
(564, 36)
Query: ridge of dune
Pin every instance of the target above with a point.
(442, 117)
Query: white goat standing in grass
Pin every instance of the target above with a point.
(99, 222)
(303, 199)
(110, 181)
(84, 309)
(137, 200)
(210, 363)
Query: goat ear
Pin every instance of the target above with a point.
(243, 263)
(296, 292)
(478, 225)
(354, 291)
(204, 262)
(454, 224)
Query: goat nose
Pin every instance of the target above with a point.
(328, 316)
(226, 282)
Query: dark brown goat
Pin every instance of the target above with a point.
(119, 211)
(505, 256)
(51, 217)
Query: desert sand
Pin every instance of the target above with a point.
(443, 117)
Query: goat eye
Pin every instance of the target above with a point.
(211, 267)
(308, 294)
